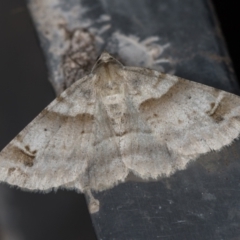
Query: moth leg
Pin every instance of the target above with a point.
(93, 203)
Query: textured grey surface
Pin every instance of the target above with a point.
(195, 46)
(201, 202)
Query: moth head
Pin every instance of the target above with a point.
(105, 60)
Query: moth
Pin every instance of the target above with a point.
(115, 121)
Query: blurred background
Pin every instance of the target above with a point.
(228, 17)
(60, 215)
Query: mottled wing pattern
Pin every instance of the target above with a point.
(142, 152)
(105, 168)
(119, 120)
(54, 148)
(184, 118)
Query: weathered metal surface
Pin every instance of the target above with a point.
(201, 202)
(181, 38)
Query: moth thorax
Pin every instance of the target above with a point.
(111, 88)
(117, 111)
(115, 105)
